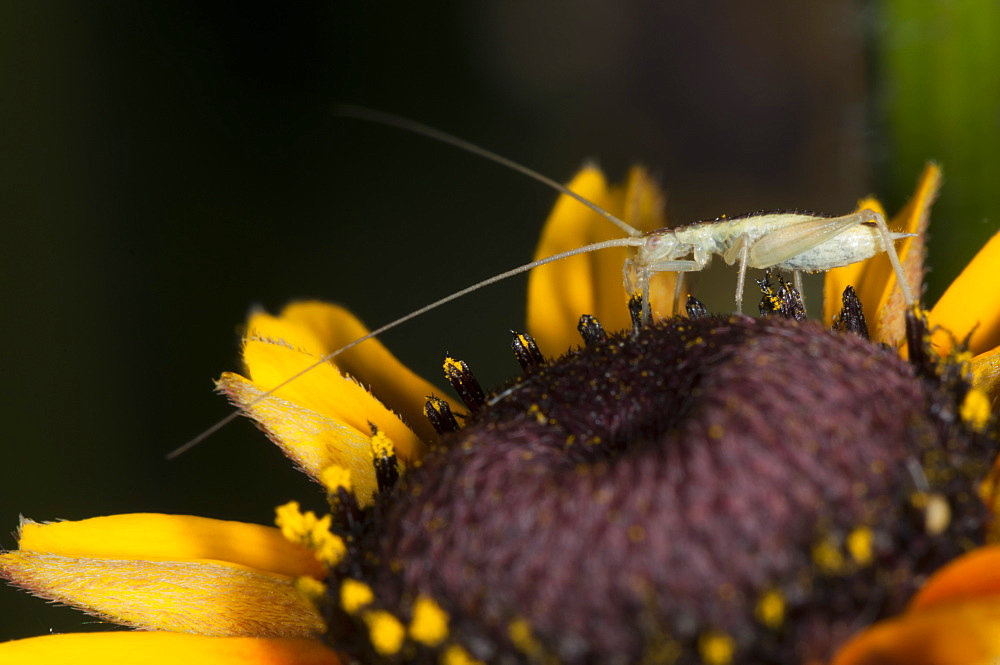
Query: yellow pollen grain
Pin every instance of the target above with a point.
(430, 623)
(827, 557)
(354, 595)
(859, 544)
(519, 631)
(536, 411)
(636, 533)
(937, 515)
(975, 409)
(385, 632)
(770, 609)
(311, 588)
(330, 548)
(457, 655)
(964, 360)
(452, 366)
(307, 530)
(716, 648)
(292, 521)
(381, 445)
(335, 477)
(716, 431)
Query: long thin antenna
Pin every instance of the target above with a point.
(399, 122)
(617, 242)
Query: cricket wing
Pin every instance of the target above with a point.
(783, 243)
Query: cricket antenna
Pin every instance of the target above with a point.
(597, 246)
(634, 239)
(399, 122)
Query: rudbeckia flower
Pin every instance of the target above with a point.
(702, 489)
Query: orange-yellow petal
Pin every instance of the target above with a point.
(171, 537)
(962, 633)
(558, 293)
(320, 328)
(157, 648)
(974, 575)
(971, 304)
(203, 597)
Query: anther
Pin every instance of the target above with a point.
(918, 343)
(591, 330)
(695, 308)
(384, 460)
(525, 350)
(344, 504)
(438, 412)
(852, 316)
(464, 382)
(635, 311)
(784, 301)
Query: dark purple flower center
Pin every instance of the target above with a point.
(710, 490)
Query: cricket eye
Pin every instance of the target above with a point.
(657, 242)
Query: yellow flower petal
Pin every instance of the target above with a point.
(171, 537)
(963, 633)
(558, 293)
(971, 304)
(320, 328)
(321, 418)
(207, 598)
(313, 441)
(155, 648)
(324, 390)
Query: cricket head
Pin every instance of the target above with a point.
(661, 245)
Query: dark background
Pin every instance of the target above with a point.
(165, 167)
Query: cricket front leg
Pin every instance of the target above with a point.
(679, 266)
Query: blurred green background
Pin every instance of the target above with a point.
(167, 166)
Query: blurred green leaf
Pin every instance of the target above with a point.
(939, 91)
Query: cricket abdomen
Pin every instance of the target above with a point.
(853, 245)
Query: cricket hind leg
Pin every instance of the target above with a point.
(890, 249)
